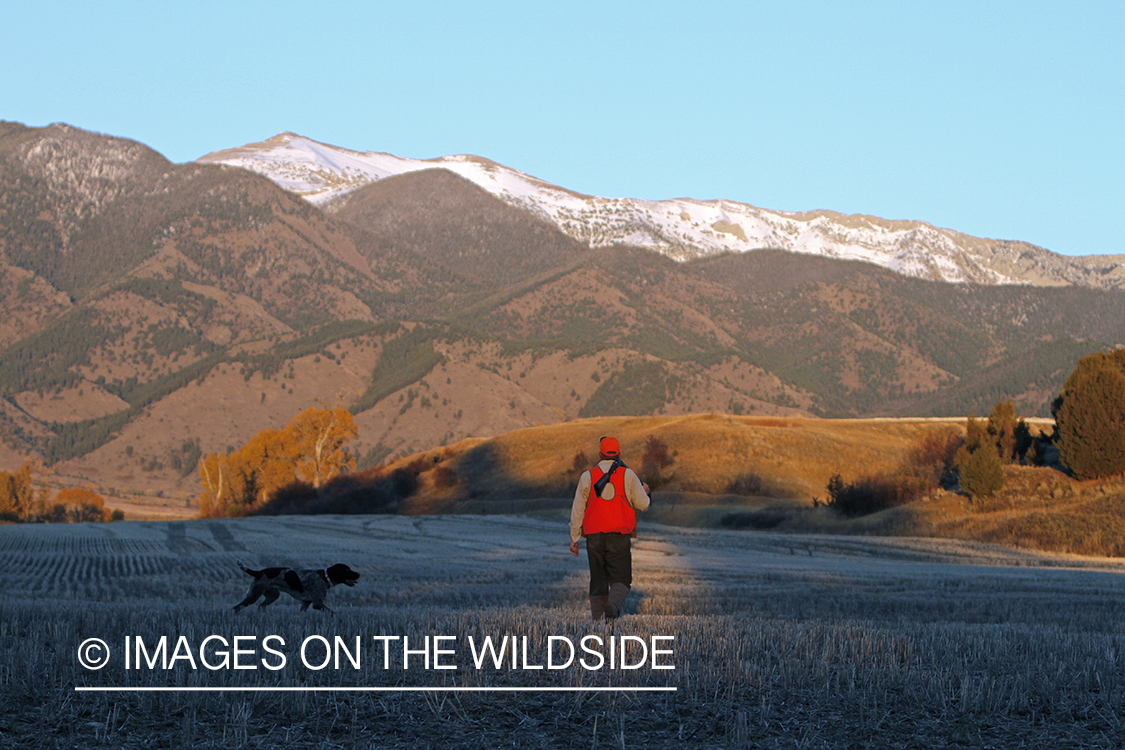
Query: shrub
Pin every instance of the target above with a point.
(81, 506)
(1090, 416)
(86, 513)
(982, 473)
(931, 460)
(864, 496)
(654, 459)
(294, 498)
(404, 479)
(749, 483)
(369, 492)
(56, 513)
(928, 464)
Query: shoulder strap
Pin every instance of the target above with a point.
(604, 480)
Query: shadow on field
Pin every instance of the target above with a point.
(482, 481)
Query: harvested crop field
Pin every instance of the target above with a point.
(777, 640)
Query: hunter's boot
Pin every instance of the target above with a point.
(597, 606)
(617, 594)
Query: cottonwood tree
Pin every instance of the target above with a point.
(1090, 416)
(267, 462)
(235, 483)
(310, 446)
(320, 436)
(216, 485)
(16, 493)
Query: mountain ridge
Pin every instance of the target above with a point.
(686, 228)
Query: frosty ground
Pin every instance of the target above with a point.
(779, 640)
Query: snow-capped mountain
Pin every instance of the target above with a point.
(683, 228)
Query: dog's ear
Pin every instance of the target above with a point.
(293, 581)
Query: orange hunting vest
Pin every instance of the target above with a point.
(615, 515)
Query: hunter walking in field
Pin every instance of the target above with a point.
(604, 512)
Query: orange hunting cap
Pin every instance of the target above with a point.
(610, 447)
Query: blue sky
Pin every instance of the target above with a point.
(999, 119)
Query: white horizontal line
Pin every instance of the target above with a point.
(448, 689)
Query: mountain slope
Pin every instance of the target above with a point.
(452, 221)
(684, 228)
(127, 278)
(152, 312)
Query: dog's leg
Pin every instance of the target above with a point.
(269, 598)
(251, 597)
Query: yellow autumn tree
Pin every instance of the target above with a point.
(320, 436)
(82, 504)
(265, 464)
(16, 493)
(236, 483)
(311, 445)
(214, 473)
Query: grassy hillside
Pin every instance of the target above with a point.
(766, 472)
(712, 454)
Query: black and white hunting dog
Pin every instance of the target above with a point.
(306, 586)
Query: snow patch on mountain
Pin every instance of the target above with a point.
(680, 228)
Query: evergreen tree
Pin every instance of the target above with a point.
(1090, 416)
(1002, 425)
(976, 435)
(982, 473)
(978, 460)
(1025, 442)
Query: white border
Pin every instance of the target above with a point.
(446, 689)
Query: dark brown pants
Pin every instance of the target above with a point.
(611, 561)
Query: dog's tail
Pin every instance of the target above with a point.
(255, 573)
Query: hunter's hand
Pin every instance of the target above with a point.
(574, 548)
(647, 490)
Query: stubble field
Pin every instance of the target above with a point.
(779, 640)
